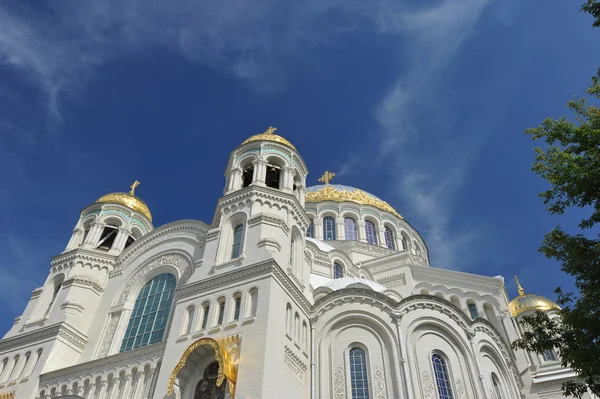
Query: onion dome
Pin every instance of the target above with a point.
(129, 200)
(525, 302)
(268, 135)
(341, 193)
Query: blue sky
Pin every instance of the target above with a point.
(423, 103)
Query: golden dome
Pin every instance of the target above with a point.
(269, 136)
(129, 200)
(525, 302)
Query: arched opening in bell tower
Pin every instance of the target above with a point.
(273, 176)
(109, 234)
(247, 175)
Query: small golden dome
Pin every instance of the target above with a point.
(269, 136)
(129, 200)
(525, 302)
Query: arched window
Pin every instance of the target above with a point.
(292, 253)
(329, 228)
(496, 384)
(404, 243)
(473, 311)
(442, 378)
(350, 229)
(108, 236)
(338, 272)
(150, 313)
(297, 328)
(304, 335)
(57, 286)
(237, 306)
(247, 175)
(371, 233)
(236, 248)
(288, 320)
(25, 365)
(273, 176)
(187, 320)
(358, 374)
(389, 238)
(221, 314)
(253, 302)
(206, 311)
(310, 232)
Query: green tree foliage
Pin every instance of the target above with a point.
(570, 162)
(592, 7)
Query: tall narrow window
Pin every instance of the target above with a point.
(247, 175)
(221, 312)
(496, 384)
(338, 272)
(310, 232)
(236, 248)
(253, 302)
(442, 378)
(273, 176)
(57, 286)
(404, 243)
(292, 254)
(549, 355)
(329, 228)
(350, 229)
(358, 374)
(236, 307)
(107, 238)
(205, 315)
(288, 320)
(389, 238)
(473, 311)
(371, 233)
(150, 313)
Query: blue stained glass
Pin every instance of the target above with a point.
(236, 248)
(389, 238)
(338, 272)
(310, 232)
(329, 228)
(371, 233)
(473, 311)
(358, 374)
(350, 229)
(442, 378)
(147, 322)
(549, 355)
(404, 243)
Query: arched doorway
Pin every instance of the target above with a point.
(207, 387)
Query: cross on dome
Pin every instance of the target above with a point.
(327, 176)
(270, 130)
(133, 186)
(519, 288)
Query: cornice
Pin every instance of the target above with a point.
(273, 220)
(82, 254)
(85, 282)
(191, 229)
(364, 248)
(62, 329)
(424, 273)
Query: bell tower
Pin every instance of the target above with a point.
(261, 214)
(56, 321)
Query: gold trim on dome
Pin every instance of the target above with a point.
(7, 395)
(227, 366)
(330, 193)
(129, 200)
(268, 135)
(525, 302)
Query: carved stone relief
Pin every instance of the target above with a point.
(339, 384)
(110, 333)
(428, 388)
(460, 389)
(379, 383)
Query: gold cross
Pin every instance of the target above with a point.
(270, 130)
(133, 186)
(327, 176)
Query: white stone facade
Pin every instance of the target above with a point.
(269, 311)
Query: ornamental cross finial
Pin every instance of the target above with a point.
(133, 186)
(519, 288)
(270, 130)
(327, 176)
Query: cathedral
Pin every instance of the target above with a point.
(289, 292)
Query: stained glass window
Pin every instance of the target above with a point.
(496, 385)
(236, 248)
(404, 243)
(310, 232)
(350, 229)
(473, 311)
(338, 272)
(329, 228)
(371, 233)
(150, 313)
(389, 238)
(358, 374)
(442, 378)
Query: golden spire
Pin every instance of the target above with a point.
(133, 186)
(270, 130)
(519, 288)
(327, 176)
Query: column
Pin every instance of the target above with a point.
(91, 390)
(381, 238)
(94, 235)
(119, 243)
(288, 179)
(74, 239)
(139, 384)
(127, 385)
(362, 234)
(114, 392)
(103, 388)
(235, 180)
(340, 231)
(260, 172)
(318, 228)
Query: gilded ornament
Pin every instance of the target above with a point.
(268, 135)
(129, 200)
(331, 193)
(327, 176)
(525, 302)
(7, 395)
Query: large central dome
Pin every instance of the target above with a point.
(342, 193)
